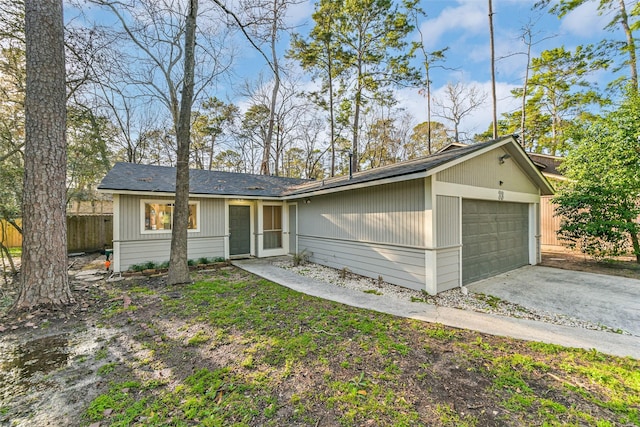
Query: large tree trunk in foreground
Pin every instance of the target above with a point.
(44, 279)
(178, 261)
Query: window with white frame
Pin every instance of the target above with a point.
(157, 216)
(272, 226)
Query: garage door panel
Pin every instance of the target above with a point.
(494, 238)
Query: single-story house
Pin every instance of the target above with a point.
(430, 224)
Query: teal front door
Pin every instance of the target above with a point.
(239, 230)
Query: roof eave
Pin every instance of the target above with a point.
(193, 195)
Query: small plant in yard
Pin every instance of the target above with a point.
(203, 260)
(300, 258)
(358, 384)
(150, 265)
(490, 300)
(200, 337)
(101, 354)
(372, 291)
(344, 273)
(107, 369)
(137, 267)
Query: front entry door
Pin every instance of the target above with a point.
(239, 230)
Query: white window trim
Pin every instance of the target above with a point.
(167, 202)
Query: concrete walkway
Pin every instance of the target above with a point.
(605, 342)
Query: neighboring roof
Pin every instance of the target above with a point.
(130, 177)
(451, 146)
(547, 164)
(162, 179)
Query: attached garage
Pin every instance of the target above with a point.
(495, 238)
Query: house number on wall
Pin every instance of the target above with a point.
(500, 195)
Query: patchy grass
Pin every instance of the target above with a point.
(232, 349)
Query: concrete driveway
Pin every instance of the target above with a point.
(608, 300)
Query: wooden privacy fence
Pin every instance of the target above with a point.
(549, 223)
(84, 233)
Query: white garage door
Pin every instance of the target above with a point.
(494, 238)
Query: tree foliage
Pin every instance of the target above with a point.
(600, 206)
(619, 17)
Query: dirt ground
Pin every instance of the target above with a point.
(51, 362)
(622, 266)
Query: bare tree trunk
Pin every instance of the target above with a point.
(178, 261)
(332, 123)
(44, 280)
(631, 45)
(493, 74)
(636, 246)
(523, 116)
(355, 159)
(264, 167)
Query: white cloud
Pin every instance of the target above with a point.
(466, 19)
(584, 21)
(299, 13)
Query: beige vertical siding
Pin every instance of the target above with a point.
(392, 214)
(293, 232)
(400, 266)
(136, 248)
(447, 221)
(211, 219)
(137, 252)
(448, 269)
(377, 231)
(486, 171)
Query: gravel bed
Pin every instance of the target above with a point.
(454, 298)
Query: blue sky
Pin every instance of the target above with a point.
(462, 26)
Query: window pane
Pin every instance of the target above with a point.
(277, 217)
(164, 217)
(272, 223)
(193, 219)
(267, 220)
(272, 239)
(159, 216)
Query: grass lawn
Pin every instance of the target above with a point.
(232, 349)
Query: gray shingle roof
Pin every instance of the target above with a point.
(550, 164)
(397, 169)
(162, 179)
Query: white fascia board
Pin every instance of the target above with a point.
(191, 195)
(482, 193)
